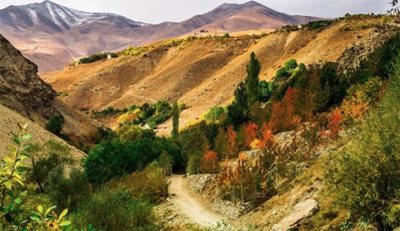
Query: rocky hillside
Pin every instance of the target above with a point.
(20, 87)
(23, 91)
(204, 72)
(53, 36)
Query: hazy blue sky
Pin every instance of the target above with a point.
(155, 11)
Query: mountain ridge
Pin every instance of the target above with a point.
(53, 36)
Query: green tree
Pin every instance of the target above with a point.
(107, 160)
(45, 158)
(55, 124)
(175, 120)
(252, 81)
(238, 111)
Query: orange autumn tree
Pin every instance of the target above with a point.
(283, 114)
(250, 131)
(232, 142)
(334, 123)
(267, 136)
(210, 158)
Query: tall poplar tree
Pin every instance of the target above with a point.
(252, 81)
(175, 120)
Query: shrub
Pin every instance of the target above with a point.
(281, 74)
(131, 133)
(109, 111)
(318, 25)
(45, 158)
(215, 114)
(115, 210)
(290, 64)
(103, 134)
(55, 124)
(96, 57)
(135, 51)
(265, 91)
(148, 185)
(67, 192)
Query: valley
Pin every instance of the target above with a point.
(241, 118)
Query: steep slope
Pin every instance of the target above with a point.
(52, 35)
(201, 73)
(22, 90)
(9, 125)
(26, 99)
(20, 86)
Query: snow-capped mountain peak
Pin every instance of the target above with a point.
(57, 17)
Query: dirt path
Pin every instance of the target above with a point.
(189, 204)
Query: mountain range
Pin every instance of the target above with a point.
(52, 35)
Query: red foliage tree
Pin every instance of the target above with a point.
(267, 136)
(250, 130)
(334, 123)
(283, 112)
(210, 158)
(232, 143)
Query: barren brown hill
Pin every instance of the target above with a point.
(201, 73)
(22, 90)
(9, 121)
(53, 36)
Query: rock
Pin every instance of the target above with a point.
(353, 56)
(21, 88)
(300, 211)
(199, 182)
(230, 209)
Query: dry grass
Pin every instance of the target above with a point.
(201, 73)
(9, 121)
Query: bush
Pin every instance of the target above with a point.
(318, 25)
(131, 133)
(215, 114)
(290, 64)
(148, 185)
(45, 158)
(103, 134)
(135, 51)
(109, 111)
(265, 91)
(364, 175)
(96, 57)
(282, 73)
(55, 124)
(115, 210)
(67, 192)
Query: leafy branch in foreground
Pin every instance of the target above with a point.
(13, 171)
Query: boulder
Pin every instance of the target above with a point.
(300, 211)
